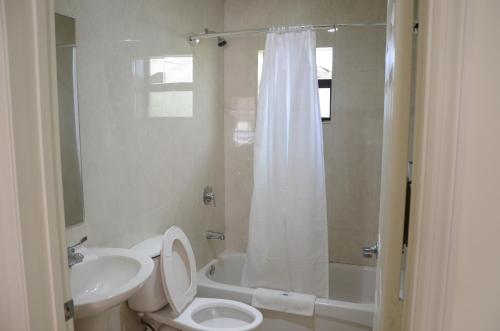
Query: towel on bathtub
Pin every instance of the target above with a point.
(288, 302)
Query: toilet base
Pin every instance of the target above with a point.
(167, 328)
(157, 325)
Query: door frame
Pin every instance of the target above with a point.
(433, 233)
(31, 213)
(397, 103)
(34, 280)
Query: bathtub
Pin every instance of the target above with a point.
(349, 308)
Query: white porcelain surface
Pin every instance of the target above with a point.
(106, 278)
(178, 269)
(179, 277)
(150, 247)
(151, 297)
(205, 314)
(350, 306)
(210, 314)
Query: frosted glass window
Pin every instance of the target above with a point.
(171, 69)
(171, 104)
(165, 85)
(324, 62)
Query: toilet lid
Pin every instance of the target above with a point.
(178, 268)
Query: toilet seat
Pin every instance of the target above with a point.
(185, 311)
(178, 269)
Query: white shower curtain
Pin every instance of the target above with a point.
(288, 238)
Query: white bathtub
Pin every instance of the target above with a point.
(349, 308)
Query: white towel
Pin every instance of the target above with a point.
(288, 302)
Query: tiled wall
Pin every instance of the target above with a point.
(142, 174)
(352, 140)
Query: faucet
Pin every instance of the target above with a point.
(215, 235)
(73, 256)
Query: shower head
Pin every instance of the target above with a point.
(221, 42)
(193, 40)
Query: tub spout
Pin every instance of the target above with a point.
(211, 235)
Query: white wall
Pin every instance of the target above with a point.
(142, 174)
(476, 287)
(352, 140)
(33, 277)
(454, 267)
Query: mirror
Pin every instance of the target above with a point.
(69, 128)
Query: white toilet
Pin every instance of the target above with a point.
(168, 298)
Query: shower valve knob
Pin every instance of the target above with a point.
(369, 251)
(208, 196)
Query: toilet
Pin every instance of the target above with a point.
(168, 301)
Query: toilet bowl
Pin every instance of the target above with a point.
(169, 297)
(209, 314)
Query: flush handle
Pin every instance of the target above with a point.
(370, 251)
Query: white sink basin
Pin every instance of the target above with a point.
(106, 278)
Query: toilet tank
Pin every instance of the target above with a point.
(151, 296)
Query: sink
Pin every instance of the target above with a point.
(106, 278)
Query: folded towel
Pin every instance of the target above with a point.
(288, 302)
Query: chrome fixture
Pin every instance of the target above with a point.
(221, 42)
(211, 271)
(73, 256)
(195, 38)
(211, 235)
(369, 251)
(209, 196)
(193, 41)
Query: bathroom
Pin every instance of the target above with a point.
(171, 200)
(144, 169)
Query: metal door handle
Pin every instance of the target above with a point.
(369, 251)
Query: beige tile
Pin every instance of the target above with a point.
(352, 141)
(142, 175)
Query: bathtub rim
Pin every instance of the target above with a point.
(352, 312)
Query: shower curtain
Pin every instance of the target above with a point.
(288, 238)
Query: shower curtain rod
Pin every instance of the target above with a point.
(196, 37)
